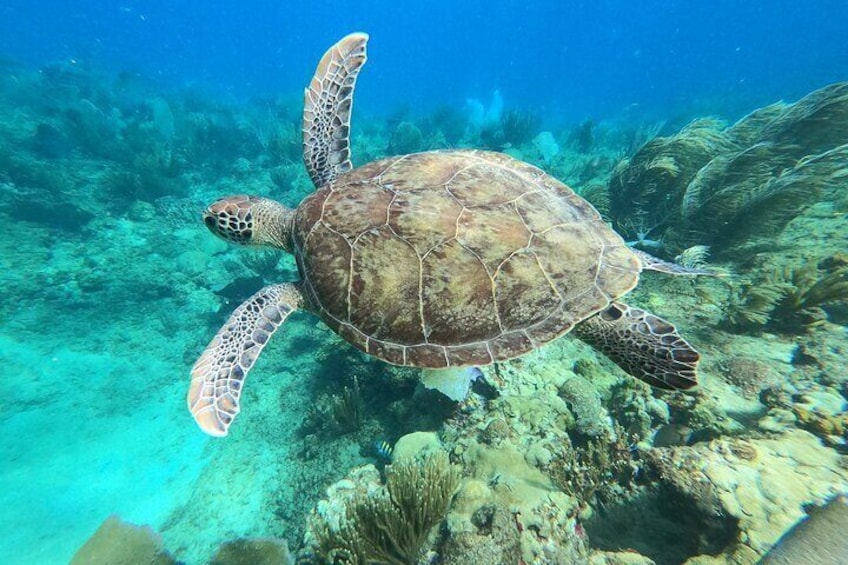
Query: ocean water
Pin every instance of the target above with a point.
(711, 135)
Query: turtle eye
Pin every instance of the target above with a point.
(210, 221)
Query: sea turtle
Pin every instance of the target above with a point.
(436, 260)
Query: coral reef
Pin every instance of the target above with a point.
(749, 375)
(749, 489)
(791, 298)
(253, 552)
(584, 402)
(567, 461)
(407, 138)
(649, 186)
(119, 543)
(735, 187)
(597, 472)
(389, 525)
(542, 528)
(496, 539)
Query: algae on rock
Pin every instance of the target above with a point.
(752, 485)
(585, 403)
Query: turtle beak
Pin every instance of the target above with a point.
(214, 216)
(210, 221)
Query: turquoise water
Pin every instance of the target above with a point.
(703, 135)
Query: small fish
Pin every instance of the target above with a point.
(483, 387)
(383, 449)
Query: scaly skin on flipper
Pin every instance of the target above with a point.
(328, 102)
(644, 345)
(218, 375)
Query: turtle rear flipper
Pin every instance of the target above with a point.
(644, 345)
(328, 101)
(652, 263)
(218, 375)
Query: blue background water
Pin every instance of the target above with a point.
(571, 59)
(102, 426)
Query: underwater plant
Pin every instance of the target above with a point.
(446, 121)
(749, 129)
(582, 137)
(735, 188)
(741, 199)
(347, 408)
(650, 184)
(390, 526)
(815, 123)
(336, 414)
(807, 289)
(519, 126)
(597, 195)
(283, 143)
(753, 304)
(407, 138)
(633, 138)
(694, 257)
(511, 129)
(791, 298)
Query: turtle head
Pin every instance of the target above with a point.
(250, 220)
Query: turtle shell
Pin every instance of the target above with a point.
(455, 258)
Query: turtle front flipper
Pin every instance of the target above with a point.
(644, 345)
(328, 102)
(218, 375)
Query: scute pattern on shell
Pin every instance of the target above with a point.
(455, 258)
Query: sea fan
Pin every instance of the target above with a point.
(651, 184)
(739, 199)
